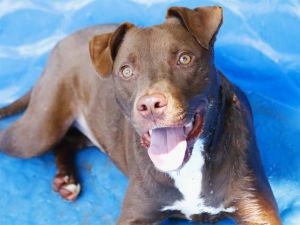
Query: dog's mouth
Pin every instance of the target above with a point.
(170, 147)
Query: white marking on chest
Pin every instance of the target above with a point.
(188, 180)
(81, 124)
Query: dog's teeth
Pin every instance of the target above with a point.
(189, 125)
(150, 132)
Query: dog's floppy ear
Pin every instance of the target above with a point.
(104, 48)
(203, 22)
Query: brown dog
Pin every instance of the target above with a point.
(160, 109)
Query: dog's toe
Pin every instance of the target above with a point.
(66, 186)
(70, 191)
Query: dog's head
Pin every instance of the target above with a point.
(164, 79)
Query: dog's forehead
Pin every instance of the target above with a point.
(169, 36)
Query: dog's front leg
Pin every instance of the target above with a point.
(65, 181)
(138, 209)
(256, 211)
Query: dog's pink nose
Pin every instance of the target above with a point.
(154, 104)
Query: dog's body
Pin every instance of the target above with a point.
(218, 174)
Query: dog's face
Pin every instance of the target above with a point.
(163, 79)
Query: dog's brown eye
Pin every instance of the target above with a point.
(126, 72)
(184, 59)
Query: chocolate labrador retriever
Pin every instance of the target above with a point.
(153, 100)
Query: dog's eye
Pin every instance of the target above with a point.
(184, 59)
(126, 72)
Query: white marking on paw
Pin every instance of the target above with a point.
(73, 188)
(188, 180)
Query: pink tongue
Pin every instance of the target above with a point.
(167, 148)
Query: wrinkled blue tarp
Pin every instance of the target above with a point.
(258, 48)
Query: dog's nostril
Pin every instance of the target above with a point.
(143, 107)
(157, 105)
(160, 104)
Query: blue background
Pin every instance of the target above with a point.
(258, 48)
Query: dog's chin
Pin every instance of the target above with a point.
(170, 147)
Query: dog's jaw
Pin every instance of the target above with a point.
(170, 148)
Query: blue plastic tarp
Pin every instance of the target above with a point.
(258, 48)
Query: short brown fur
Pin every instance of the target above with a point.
(72, 88)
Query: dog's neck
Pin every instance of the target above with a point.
(213, 126)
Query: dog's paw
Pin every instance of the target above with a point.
(66, 186)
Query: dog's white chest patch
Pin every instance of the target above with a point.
(188, 180)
